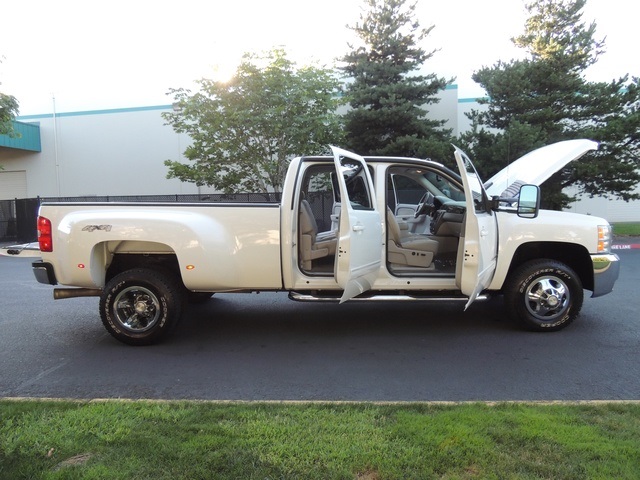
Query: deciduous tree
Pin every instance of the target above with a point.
(244, 132)
(8, 111)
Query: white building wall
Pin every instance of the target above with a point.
(111, 152)
(13, 184)
(443, 109)
(612, 210)
(13, 161)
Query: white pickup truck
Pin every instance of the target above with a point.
(348, 227)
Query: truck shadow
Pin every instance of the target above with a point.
(272, 314)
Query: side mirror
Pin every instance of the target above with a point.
(529, 201)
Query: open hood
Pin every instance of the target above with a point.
(537, 166)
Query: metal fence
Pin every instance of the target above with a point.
(273, 197)
(8, 229)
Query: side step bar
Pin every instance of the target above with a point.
(380, 297)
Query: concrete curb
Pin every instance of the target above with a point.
(490, 403)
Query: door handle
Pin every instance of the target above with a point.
(358, 228)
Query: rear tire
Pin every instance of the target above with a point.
(543, 295)
(140, 306)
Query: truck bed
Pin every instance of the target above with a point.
(218, 246)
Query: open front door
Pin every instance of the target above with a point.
(478, 248)
(360, 226)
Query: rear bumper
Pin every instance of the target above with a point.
(44, 273)
(606, 268)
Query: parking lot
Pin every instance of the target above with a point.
(265, 347)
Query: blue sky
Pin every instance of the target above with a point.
(99, 55)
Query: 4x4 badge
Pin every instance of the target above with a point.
(91, 228)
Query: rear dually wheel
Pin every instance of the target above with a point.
(140, 306)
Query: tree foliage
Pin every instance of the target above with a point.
(8, 111)
(545, 98)
(388, 100)
(244, 132)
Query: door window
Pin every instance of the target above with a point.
(318, 191)
(317, 236)
(404, 191)
(357, 186)
(475, 184)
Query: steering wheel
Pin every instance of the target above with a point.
(425, 205)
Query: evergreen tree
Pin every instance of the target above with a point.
(545, 98)
(387, 99)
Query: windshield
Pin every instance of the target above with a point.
(444, 186)
(406, 185)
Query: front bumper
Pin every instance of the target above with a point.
(44, 273)
(606, 268)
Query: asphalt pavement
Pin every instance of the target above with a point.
(266, 347)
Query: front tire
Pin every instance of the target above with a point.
(140, 306)
(544, 295)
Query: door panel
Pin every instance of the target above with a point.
(360, 226)
(478, 248)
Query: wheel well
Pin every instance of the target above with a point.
(572, 255)
(127, 261)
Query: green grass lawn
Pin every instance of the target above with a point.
(631, 229)
(193, 440)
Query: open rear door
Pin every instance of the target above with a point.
(360, 230)
(478, 248)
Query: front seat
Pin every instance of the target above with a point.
(404, 248)
(313, 245)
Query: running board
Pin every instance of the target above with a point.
(380, 297)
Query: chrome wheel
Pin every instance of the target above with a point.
(140, 306)
(544, 295)
(547, 298)
(137, 309)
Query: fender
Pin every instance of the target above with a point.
(550, 227)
